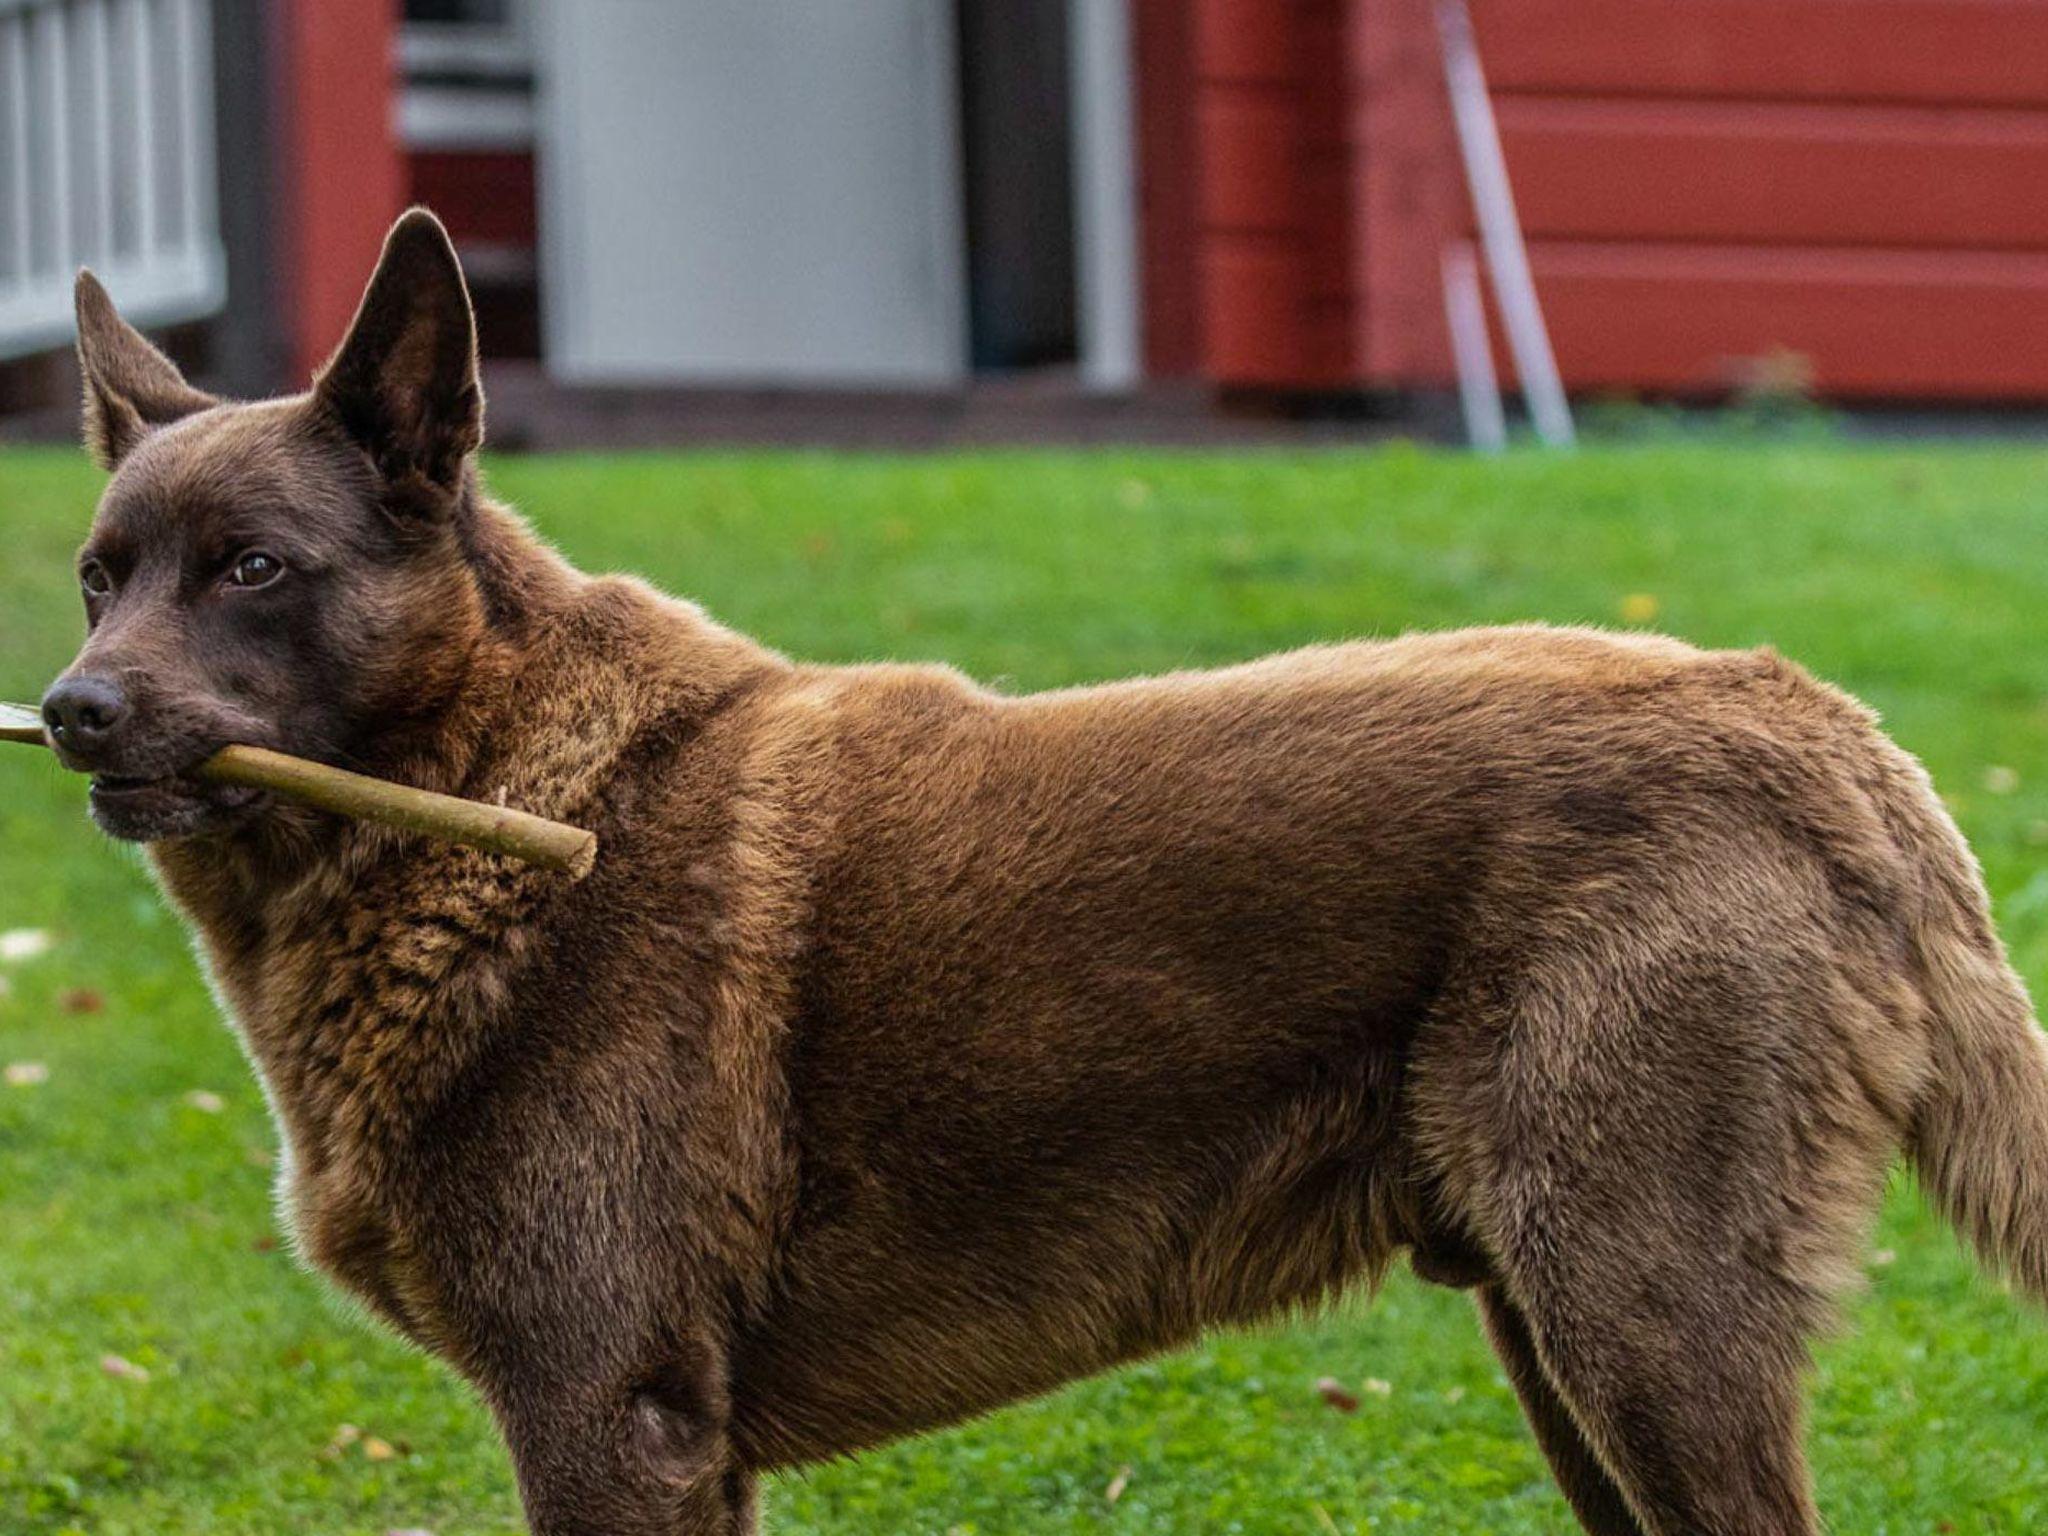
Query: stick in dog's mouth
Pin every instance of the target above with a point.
(471, 823)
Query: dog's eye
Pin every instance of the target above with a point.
(94, 578)
(256, 569)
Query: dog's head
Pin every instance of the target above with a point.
(288, 574)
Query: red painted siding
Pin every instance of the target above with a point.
(1169, 181)
(483, 196)
(1703, 182)
(1273, 225)
(1772, 174)
(1973, 53)
(1409, 197)
(343, 179)
(1853, 181)
(1690, 319)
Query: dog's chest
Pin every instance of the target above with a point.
(363, 1018)
(348, 1230)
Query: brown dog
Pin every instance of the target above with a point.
(915, 1048)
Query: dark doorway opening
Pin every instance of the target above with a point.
(1017, 159)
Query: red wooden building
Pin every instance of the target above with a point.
(1863, 183)
(1253, 193)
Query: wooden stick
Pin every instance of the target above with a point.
(24, 725)
(472, 823)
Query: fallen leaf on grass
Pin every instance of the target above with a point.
(1883, 1257)
(1638, 608)
(1117, 1485)
(125, 1370)
(80, 1000)
(410, 1530)
(26, 1074)
(374, 1449)
(25, 943)
(265, 1244)
(1331, 1391)
(1377, 1387)
(207, 1103)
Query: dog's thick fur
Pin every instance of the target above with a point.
(914, 1048)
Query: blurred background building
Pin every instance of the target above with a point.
(1225, 203)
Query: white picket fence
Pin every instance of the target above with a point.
(106, 161)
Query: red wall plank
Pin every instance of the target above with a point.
(484, 196)
(1410, 195)
(1255, 311)
(342, 181)
(1876, 324)
(1169, 186)
(1720, 172)
(1248, 175)
(1244, 40)
(1275, 226)
(1327, 172)
(1987, 52)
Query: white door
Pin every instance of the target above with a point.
(751, 191)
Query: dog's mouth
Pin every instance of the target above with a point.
(119, 784)
(146, 809)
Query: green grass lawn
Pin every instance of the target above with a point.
(137, 1222)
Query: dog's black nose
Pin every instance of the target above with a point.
(83, 713)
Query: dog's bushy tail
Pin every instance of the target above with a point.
(1980, 1137)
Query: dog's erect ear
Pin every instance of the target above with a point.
(130, 387)
(404, 383)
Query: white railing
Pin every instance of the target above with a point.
(106, 161)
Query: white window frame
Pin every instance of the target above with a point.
(495, 112)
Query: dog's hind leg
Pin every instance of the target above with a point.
(1691, 1401)
(1670, 1170)
(1591, 1492)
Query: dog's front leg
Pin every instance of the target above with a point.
(642, 1461)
